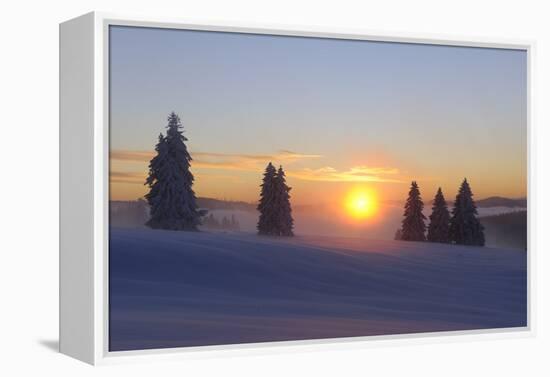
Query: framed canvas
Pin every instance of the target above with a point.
(229, 188)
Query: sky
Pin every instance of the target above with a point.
(338, 115)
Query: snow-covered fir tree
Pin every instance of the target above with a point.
(466, 229)
(285, 222)
(171, 197)
(438, 230)
(413, 226)
(267, 205)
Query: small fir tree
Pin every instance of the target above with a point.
(413, 226)
(397, 236)
(267, 206)
(235, 223)
(211, 222)
(466, 229)
(171, 196)
(226, 224)
(438, 230)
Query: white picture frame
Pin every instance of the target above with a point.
(84, 119)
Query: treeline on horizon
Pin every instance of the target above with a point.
(226, 223)
(240, 205)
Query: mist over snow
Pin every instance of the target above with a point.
(331, 221)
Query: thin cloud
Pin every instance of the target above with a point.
(212, 160)
(226, 165)
(289, 155)
(137, 156)
(366, 170)
(257, 162)
(127, 177)
(134, 177)
(354, 174)
(209, 155)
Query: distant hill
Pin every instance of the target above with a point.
(210, 203)
(498, 201)
(492, 201)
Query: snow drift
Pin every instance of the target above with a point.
(175, 289)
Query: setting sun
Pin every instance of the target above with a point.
(361, 203)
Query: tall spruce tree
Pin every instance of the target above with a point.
(267, 204)
(171, 197)
(413, 226)
(438, 230)
(466, 229)
(285, 222)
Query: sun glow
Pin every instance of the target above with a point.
(361, 203)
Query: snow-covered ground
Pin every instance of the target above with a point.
(173, 289)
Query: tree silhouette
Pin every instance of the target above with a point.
(285, 222)
(235, 223)
(466, 229)
(267, 205)
(226, 224)
(156, 180)
(211, 222)
(413, 226)
(274, 206)
(438, 230)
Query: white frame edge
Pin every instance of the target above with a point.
(84, 118)
(76, 178)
